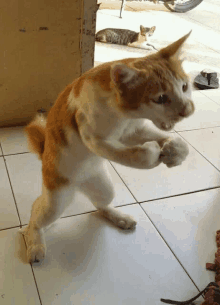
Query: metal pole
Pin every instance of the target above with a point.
(122, 7)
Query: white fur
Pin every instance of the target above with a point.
(129, 138)
(88, 173)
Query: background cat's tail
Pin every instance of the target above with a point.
(36, 135)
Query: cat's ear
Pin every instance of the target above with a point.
(123, 75)
(142, 28)
(174, 49)
(152, 29)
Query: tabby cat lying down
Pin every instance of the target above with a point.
(119, 111)
(125, 37)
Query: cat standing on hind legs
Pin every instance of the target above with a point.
(119, 111)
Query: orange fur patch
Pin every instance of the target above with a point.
(77, 86)
(99, 74)
(36, 135)
(58, 117)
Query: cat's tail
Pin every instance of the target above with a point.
(36, 135)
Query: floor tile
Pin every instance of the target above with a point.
(207, 114)
(13, 140)
(89, 261)
(28, 188)
(189, 224)
(110, 52)
(213, 94)
(8, 213)
(25, 175)
(195, 173)
(17, 285)
(206, 141)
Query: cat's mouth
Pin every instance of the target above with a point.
(167, 126)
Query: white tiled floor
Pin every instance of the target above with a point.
(89, 261)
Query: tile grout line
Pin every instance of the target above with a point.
(169, 248)
(126, 5)
(209, 96)
(119, 206)
(36, 284)
(1, 150)
(166, 197)
(132, 203)
(150, 200)
(12, 189)
(23, 153)
(20, 226)
(199, 152)
(183, 194)
(83, 213)
(196, 129)
(124, 183)
(9, 228)
(95, 211)
(32, 269)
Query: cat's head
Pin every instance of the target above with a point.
(147, 32)
(154, 87)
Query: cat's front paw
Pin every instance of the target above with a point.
(36, 249)
(36, 253)
(174, 152)
(147, 155)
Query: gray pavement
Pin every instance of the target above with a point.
(201, 51)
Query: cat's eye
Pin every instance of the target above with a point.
(185, 87)
(163, 98)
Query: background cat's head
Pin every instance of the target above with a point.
(154, 87)
(147, 32)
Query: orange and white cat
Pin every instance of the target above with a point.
(119, 111)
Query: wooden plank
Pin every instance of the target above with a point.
(88, 34)
(39, 55)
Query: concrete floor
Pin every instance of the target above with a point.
(202, 49)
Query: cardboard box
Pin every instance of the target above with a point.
(45, 45)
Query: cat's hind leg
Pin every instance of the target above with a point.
(100, 190)
(45, 210)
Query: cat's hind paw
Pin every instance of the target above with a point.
(120, 219)
(36, 253)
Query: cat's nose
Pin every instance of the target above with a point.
(183, 112)
(187, 110)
